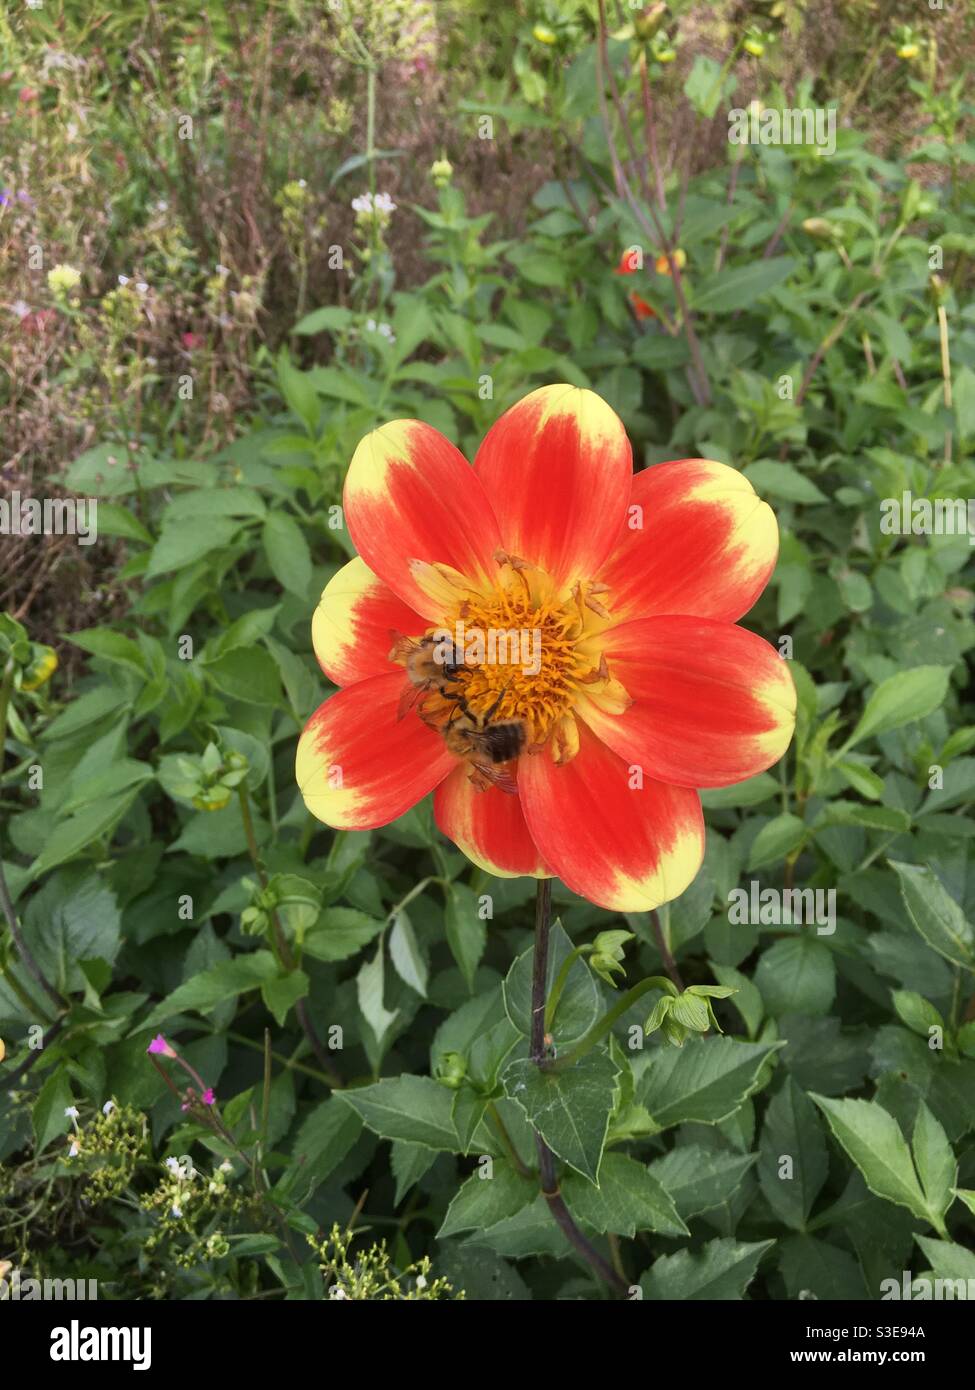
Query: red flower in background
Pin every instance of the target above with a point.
(645, 688)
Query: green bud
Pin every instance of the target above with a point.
(607, 954)
(451, 1071)
(648, 21)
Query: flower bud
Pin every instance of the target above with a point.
(451, 1071)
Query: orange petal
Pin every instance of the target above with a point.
(411, 495)
(351, 626)
(488, 826)
(624, 846)
(558, 470)
(697, 540)
(358, 766)
(712, 703)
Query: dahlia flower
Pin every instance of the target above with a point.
(644, 688)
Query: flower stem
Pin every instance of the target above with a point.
(663, 946)
(546, 1160)
(559, 984)
(603, 1025)
(543, 926)
(507, 1140)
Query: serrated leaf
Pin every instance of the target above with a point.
(485, 1200)
(935, 1162)
(629, 1199)
(705, 1080)
(872, 1139)
(901, 699)
(223, 981)
(935, 914)
(792, 1130)
(570, 1109)
(722, 1269)
(413, 1108)
(578, 1008)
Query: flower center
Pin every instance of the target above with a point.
(527, 653)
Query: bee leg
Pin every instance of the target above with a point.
(488, 713)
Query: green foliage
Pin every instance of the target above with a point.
(349, 1014)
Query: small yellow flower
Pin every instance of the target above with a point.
(663, 264)
(41, 668)
(908, 51)
(753, 45)
(544, 34)
(62, 279)
(441, 171)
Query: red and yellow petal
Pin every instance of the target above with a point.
(698, 540)
(712, 703)
(411, 495)
(358, 766)
(621, 840)
(351, 627)
(558, 470)
(488, 826)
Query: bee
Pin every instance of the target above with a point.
(427, 668)
(485, 745)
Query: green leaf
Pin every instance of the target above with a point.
(223, 981)
(48, 1110)
(699, 1179)
(111, 646)
(872, 1139)
(705, 1080)
(97, 820)
(797, 976)
(325, 1137)
(578, 1007)
(629, 1199)
(408, 1163)
(281, 995)
(248, 674)
(949, 1261)
(935, 914)
(370, 987)
(771, 478)
(287, 553)
(413, 1108)
(722, 1269)
(340, 932)
(491, 1194)
(776, 839)
(740, 286)
(901, 699)
(935, 1163)
(319, 320)
(73, 918)
(466, 930)
(183, 542)
(793, 1160)
(404, 951)
(570, 1109)
(298, 390)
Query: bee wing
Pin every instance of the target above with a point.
(497, 777)
(402, 646)
(411, 695)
